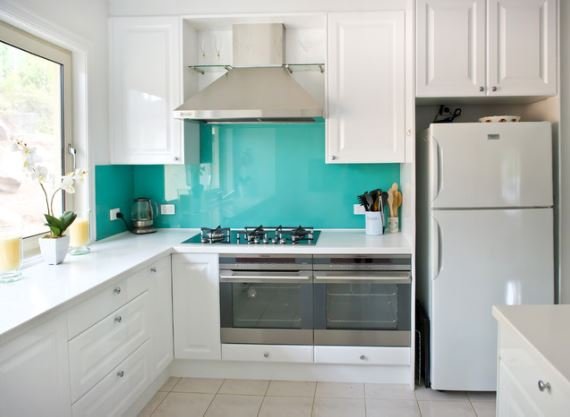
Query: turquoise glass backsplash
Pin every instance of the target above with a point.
(252, 174)
(113, 189)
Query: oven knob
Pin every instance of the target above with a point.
(363, 358)
(266, 355)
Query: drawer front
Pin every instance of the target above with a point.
(96, 351)
(110, 299)
(267, 353)
(119, 389)
(522, 364)
(363, 355)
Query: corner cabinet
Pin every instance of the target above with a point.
(367, 90)
(478, 48)
(145, 87)
(196, 306)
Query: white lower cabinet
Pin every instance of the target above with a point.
(196, 306)
(363, 355)
(34, 377)
(96, 351)
(119, 388)
(267, 353)
(528, 385)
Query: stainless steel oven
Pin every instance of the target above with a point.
(362, 300)
(266, 299)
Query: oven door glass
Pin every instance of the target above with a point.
(267, 312)
(361, 311)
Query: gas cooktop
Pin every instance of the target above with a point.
(258, 235)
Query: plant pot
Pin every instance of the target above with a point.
(54, 250)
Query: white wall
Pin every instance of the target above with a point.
(565, 152)
(172, 7)
(79, 26)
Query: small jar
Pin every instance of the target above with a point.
(11, 253)
(79, 234)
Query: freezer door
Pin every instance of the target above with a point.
(490, 165)
(481, 258)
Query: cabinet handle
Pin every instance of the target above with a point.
(333, 157)
(121, 374)
(494, 88)
(266, 355)
(176, 158)
(363, 357)
(543, 386)
(117, 290)
(481, 89)
(153, 269)
(118, 319)
(409, 132)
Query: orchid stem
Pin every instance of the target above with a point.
(52, 197)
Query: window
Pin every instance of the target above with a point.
(35, 106)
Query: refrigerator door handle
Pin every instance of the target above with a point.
(437, 248)
(437, 181)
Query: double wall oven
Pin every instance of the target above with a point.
(355, 300)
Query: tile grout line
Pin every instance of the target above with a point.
(314, 399)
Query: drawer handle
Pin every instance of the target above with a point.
(117, 290)
(153, 269)
(118, 319)
(121, 374)
(543, 386)
(266, 355)
(363, 358)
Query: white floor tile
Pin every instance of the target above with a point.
(200, 385)
(338, 407)
(391, 408)
(426, 394)
(484, 408)
(153, 404)
(234, 406)
(169, 384)
(179, 404)
(446, 409)
(389, 391)
(482, 396)
(286, 407)
(339, 390)
(244, 387)
(291, 389)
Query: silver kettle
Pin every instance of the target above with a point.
(143, 213)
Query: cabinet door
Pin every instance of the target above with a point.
(145, 87)
(522, 47)
(512, 400)
(450, 48)
(196, 302)
(366, 87)
(161, 316)
(34, 373)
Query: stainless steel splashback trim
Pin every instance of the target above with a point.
(390, 338)
(267, 336)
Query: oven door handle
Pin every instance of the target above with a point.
(260, 277)
(404, 278)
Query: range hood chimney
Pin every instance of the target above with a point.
(257, 88)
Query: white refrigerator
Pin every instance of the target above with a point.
(485, 237)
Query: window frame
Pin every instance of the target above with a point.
(27, 42)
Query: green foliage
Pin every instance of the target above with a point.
(58, 225)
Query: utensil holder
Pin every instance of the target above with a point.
(373, 221)
(393, 224)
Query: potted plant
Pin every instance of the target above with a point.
(55, 244)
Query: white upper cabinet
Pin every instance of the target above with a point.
(366, 79)
(451, 48)
(522, 47)
(471, 48)
(145, 87)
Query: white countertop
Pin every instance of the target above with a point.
(545, 327)
(46, 289)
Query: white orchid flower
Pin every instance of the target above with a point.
(68, 183)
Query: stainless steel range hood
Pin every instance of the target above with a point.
(257, 88)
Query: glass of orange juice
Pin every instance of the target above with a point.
(11, 253)
(79, 236)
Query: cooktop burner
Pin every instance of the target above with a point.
(258, 235)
